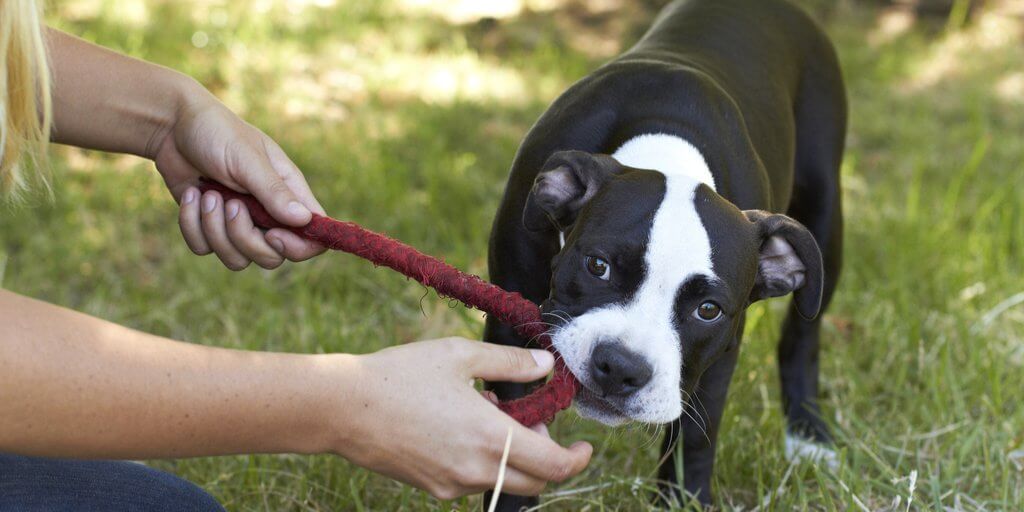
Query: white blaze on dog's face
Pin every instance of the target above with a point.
(654, 273)
(677, 248)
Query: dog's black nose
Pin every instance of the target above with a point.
(618, 371)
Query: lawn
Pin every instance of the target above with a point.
(405, 115)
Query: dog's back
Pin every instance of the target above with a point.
(702, 65)
(755, 50)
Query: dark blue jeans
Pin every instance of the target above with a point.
(30, 484)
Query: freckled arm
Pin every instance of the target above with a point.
(78, 386)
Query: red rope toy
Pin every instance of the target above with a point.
(509, 308)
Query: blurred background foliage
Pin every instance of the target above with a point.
(405, 116)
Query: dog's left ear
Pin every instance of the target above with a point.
(789, 261)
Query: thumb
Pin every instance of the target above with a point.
(510, 364)
(273, 193)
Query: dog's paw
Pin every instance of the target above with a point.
(798, 449)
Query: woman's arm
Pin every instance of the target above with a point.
(76, 386)
(107, 101)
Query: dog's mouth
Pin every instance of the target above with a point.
(601, 401)
(591, 405)
(615, 410)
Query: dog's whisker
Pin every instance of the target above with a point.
(700, 419)
(688, 400)
(655, 434)
(674, 434)
(559, 314)
(547, 324)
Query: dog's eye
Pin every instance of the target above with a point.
(598, 268)
(707, 312)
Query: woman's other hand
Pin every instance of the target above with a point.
(207, 140)
(107, 101)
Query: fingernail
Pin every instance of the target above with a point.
(277, 244)
(297, 209)
(190, 195)
(232, 210)
(585, 445)
(209, 203)
(543, 358)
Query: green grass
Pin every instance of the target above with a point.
(407, 123)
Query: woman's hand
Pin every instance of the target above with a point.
(418, 419)
(207, 139)
(106, 101)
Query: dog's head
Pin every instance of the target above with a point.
(653, 278)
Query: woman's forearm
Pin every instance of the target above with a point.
(77, 386)
(107, 101)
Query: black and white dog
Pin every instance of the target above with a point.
(660, 196)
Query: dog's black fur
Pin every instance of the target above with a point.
(755, 86)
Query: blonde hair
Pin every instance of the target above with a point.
(25, 103)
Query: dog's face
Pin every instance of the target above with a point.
(653, 279)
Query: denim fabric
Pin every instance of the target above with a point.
(31, 484)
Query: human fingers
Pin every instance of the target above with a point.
(291, 175)
(292, 246)
(519, 483)
(247, 238)
(539, 456)
(216, 235)
(508, 364)
(191, 224)
(257, 176)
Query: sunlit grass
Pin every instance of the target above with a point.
(923, 359)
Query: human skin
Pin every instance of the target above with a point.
(107, 101)
(72, 385)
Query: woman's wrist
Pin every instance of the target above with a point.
(331, 386)
(107, 101)
(183, 95)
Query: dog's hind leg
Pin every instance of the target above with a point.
(817, 203)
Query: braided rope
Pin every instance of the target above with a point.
(509, 308)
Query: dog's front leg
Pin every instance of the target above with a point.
(501, 334)
(520, 263)
(698, 427)
(495, 332)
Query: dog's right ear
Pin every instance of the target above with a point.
(567, 181)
